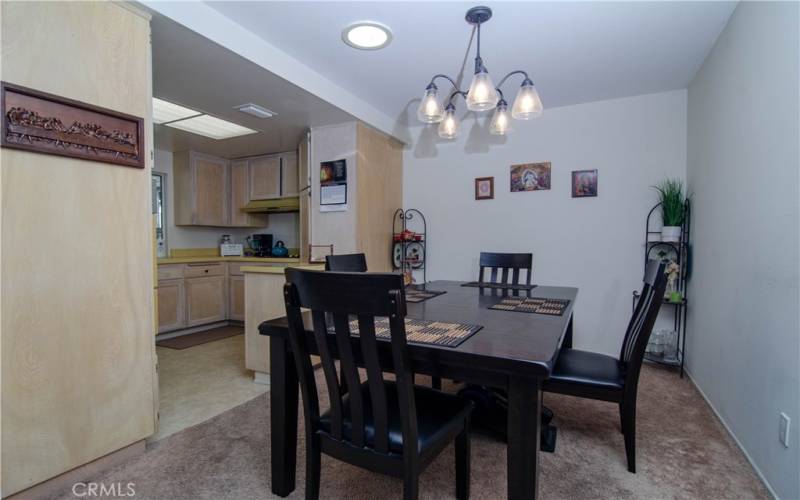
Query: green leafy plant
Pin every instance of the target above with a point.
(672, 198)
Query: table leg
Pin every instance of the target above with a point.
(524, 428)
(283, 416)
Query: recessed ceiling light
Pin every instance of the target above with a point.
(164, 111)
(255, 110)
(212, 127)
(367, 35)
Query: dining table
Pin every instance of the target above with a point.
(513, 351)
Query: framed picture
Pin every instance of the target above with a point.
(530, 177)
(484, 188)
(584, 183)
(46, 123)
(333, 186)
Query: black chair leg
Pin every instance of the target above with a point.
(621, 420)
(629, 429)
(411, 485)
(463, 463)
(436, 383)
(313, 452)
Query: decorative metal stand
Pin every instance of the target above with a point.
(409, 252)
(680, 252)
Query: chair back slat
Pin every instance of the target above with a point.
(349, 263)
(505, 262)
(334, 299)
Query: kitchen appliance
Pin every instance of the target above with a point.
(228, 248)
(280, 250)
(261, 244)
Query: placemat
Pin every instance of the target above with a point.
(505, 286)
(538, 305)
(416, 295)
(423, 332)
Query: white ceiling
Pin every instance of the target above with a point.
(574, 51)
(190, 70)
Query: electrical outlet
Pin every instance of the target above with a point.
(783, 432)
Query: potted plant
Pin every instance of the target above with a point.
(672, 198)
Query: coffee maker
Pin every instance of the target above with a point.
(261, 244)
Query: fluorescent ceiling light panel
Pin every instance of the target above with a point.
(164, 111)
(212, 127)
(256, 110)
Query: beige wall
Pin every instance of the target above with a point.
(77, 281)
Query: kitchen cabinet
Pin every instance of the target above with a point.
(289, 174)
(236, 298)
(265, 177)
(206, 300)
(171, 300)
(240, 196)
(201, 189)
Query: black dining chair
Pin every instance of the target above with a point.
(351, 263)
(598, 376)
(505, 262)
(389, 427)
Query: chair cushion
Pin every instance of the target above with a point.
(586, 369)
(439, 416)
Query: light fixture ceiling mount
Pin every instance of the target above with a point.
(482, 95)
(367, 35)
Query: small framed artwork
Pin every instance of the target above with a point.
(484, 188)
(584, 183)
(530, 177)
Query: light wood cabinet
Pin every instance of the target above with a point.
(201, 189)
(236, 298)
(265, 177)
(206, 300)
(171, 300)
(289, 174)
(240, 196)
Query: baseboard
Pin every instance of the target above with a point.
(63, 482)
(261, 378)
(733, 436)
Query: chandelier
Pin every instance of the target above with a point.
(482, 94)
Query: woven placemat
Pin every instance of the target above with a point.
(538, 305)
(423, 332)
(415, 295)
(504, 286)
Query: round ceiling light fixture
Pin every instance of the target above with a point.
(367, 35)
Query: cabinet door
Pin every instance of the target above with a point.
(171, 305)
(265, 177)
(210, 190)
(236, 298)
(240, 196)
(206, 300)
(289, 174)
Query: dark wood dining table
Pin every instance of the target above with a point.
(514, 351)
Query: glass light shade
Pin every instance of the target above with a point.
(527, 104)
(430, 109)
(448, 127)
(482, 94)
(501, 120)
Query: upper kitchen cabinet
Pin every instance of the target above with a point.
(201, 190)
(289, 174)
(240, 196)
(265, 177)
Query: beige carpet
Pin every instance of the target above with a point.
(683, 452)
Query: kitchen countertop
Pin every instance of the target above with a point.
(261, 260)
(279, 270)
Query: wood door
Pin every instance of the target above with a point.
(289, 174)
(240, 196)
(265, 177)
(206, 300)
(171, 300)
(236, 298)
(210, 193)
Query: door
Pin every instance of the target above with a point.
(205, 300)
(236, 298)
(210, 190)
(265, 177)
(289, 174)
(240, 196)
(171, 300)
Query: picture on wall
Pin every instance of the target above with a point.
(584, 183)
(530, 177)
(333, 186)
(484, 188)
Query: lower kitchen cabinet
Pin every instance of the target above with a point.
(236, 298)
(171, 300)
(206, 300)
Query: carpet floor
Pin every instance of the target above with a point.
(683, 452)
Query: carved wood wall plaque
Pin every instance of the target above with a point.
(45, 123)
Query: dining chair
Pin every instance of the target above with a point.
(351, 263)
(607, 378)
(505, 262)
(389, 427)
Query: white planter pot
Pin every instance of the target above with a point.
(671, 233)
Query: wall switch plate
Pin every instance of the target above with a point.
(783, 432)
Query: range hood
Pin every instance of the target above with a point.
(277, 205)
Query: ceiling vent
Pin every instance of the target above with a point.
(255, 110)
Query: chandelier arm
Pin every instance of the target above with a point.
(516, 72)
(441, 75)
(454, 94)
